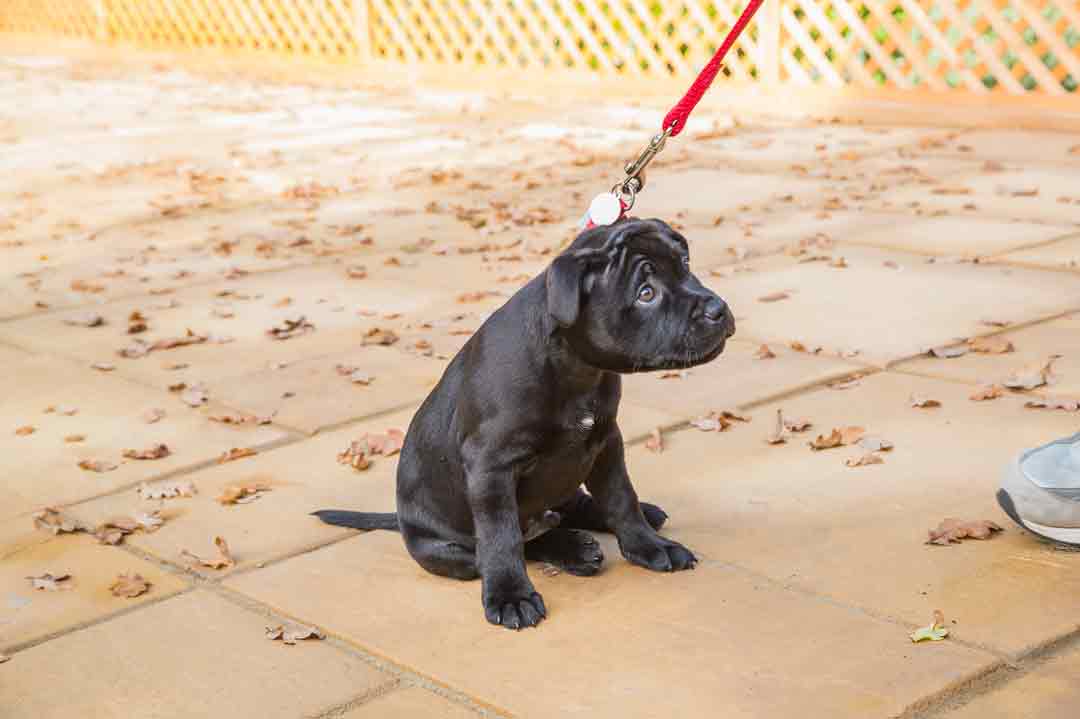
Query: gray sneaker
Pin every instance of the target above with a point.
(1041, 491)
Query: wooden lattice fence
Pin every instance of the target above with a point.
(982, 47)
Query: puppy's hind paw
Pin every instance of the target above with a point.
(571, 550)
(515, 612)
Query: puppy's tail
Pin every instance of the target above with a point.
(359, 520)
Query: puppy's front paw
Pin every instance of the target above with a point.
(514, 610)
(658, 554)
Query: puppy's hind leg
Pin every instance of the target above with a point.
(572, 550)
(443, 557)
(582, 512)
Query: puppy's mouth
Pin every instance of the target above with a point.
(689, 358)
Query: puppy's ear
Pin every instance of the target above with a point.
(564, 280)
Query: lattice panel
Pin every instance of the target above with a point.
(74, 18)
(620, 37)
(978, 46)
(981, 46)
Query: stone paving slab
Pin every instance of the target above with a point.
(192, 655)
(410, 702)
(1048, 691)
(954, 236)
(1033, 345)
(745, 644)
(919, 305)
(41, 468)
(27, 614)
(1021, 147)
(1061, 255)
(805, 519)
(302, 477)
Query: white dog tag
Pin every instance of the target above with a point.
(604, 209)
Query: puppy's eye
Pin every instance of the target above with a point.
(648, 269)
(646, 294)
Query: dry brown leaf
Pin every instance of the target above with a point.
(290, 635)
(113, 531)
(25, 430)
(103, 366)
(1030, 376)
(478, 296)
(97, 465)
(839, 263)
(290, 328)
(874, 443)
(1069, 405)
(655, 442)
(129, 585)
(355, 455)
(379, 336)
(236, 453)
(195, 396)
(774, 297)
(243, 493)
(387, 444)
(949, 352)
(763, 352)
(954, 530)
(50, 582)
(153, 415)
(837, 438)
(777, 434)
(85, 319)
(155, 451)
(166, 489)
(797, 425)
(864, 460)
(149, 521)
(712, 422)
(846, 384)
(991, 345)
(51, 520)
(987, 392)
(917, 400)
(224, 560)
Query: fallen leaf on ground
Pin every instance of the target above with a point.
(379, 336)
(846, 384)
(777, 434)
(949, 352)
(50, 519)
(356, 272)
(1030, 376)
(774, 297)
(195, 396)
(292, 634)
(236, 453)
(800, 424)
(934, 632)
(224, 559)
(156, 451)
(917, 400)
(838, 438)
(991, 345)
(355, 455)
(25, 430)
(864, 460)
(1069, 405)
(763, 352)
(85, 319)
(129, 585)
(673, 374)
(655, 442)
(290, 328)
(113, 531)
(4, 658)
(50, 582)
(151, 416)
(873, 443)
(954, 530)
(167, 489)
(243, 493)
(149, 521)
(387, 444)
(103, 366)
(987, 392)
(97, 465)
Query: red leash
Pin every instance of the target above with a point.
(608, 207)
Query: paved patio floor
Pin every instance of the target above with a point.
(155, 204)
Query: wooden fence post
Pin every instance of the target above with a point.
(362, 30)
(769, 42)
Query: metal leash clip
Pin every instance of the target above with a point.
(626, 190)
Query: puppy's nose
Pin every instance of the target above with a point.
(715, 309)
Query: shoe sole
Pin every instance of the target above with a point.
(1065, 536)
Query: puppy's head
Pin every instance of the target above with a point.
(625, 300)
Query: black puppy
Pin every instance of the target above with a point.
(494, 460)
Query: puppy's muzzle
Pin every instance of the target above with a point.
(717, 315)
